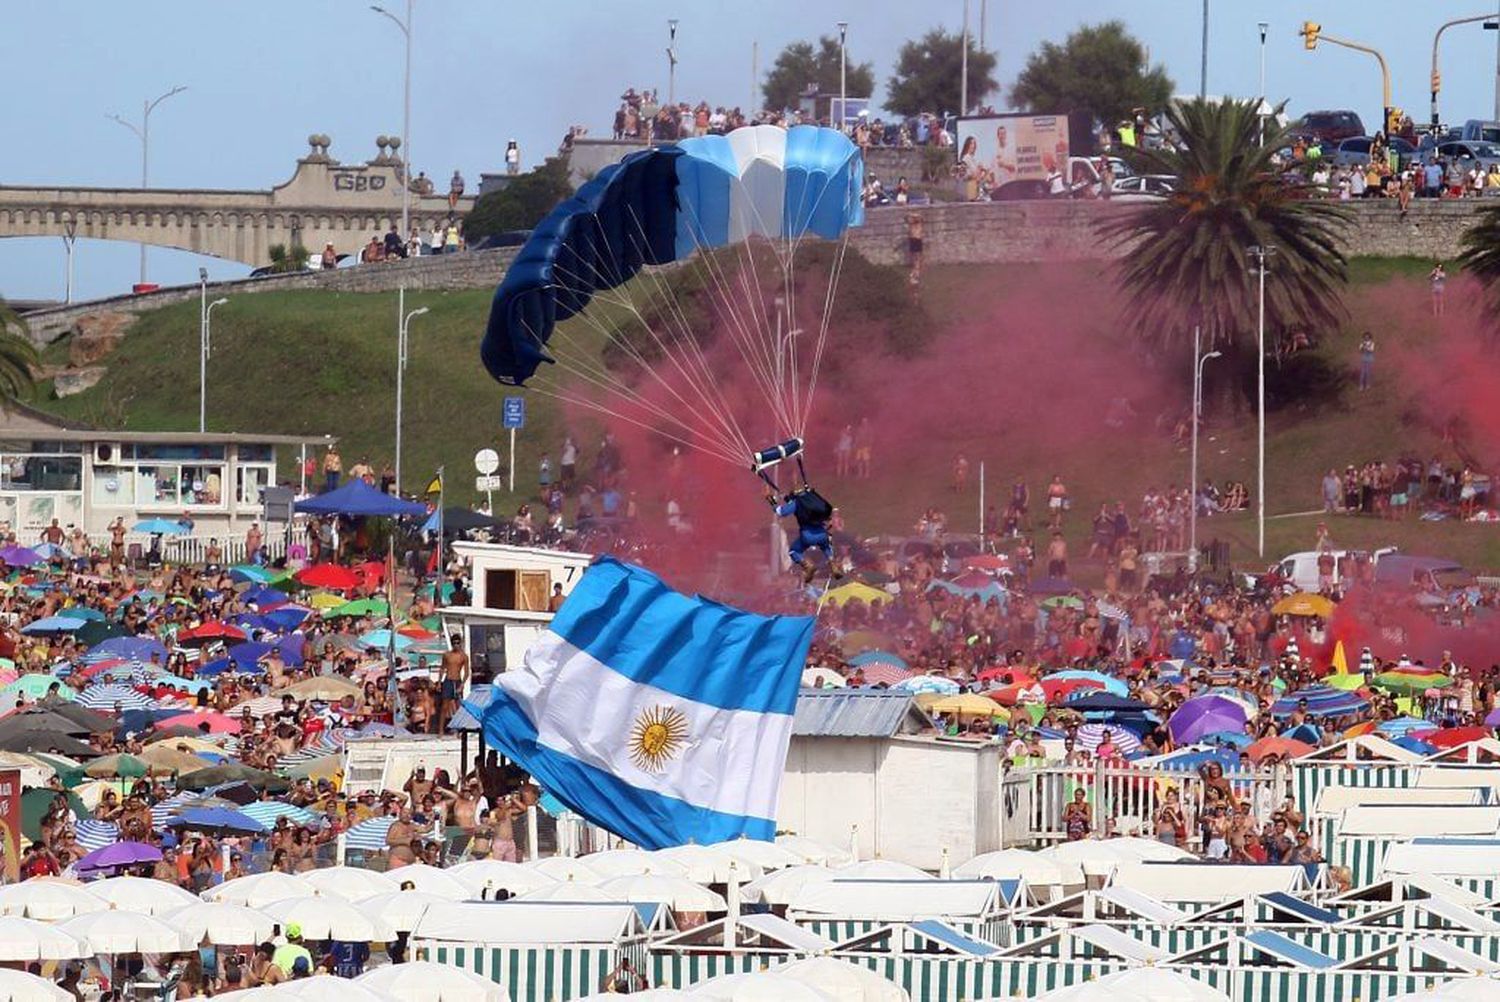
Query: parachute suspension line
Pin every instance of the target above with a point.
(701, 386)
(805, 415)
(595, 405)
(750, 338)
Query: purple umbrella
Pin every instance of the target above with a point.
(1493, 720)
(21, 556)
(1206, 715)
(112, 857)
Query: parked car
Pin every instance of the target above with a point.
(1021, 190)
(1143, 187)
(1467, 153)
(1355, 152)
(1299, 571)
(1479, 130)
(1329, 126)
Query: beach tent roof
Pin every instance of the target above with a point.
(1333, 800)
(1361, 748)
(1447, 857)
(759, 931)
(1411, 820)
(1207, 882)
(530, 923)
(899, 900)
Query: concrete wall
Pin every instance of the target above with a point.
(469, 270)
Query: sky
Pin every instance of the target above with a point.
(261, 76)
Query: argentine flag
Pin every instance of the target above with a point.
(661, 717)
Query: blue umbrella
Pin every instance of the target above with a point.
(1322, 701)
(368, 835)
(84, 612)
(220, 820)
(264, 595)
(288, 617)
(267, 811)
(130, 648)
(1190, 759)
(249, 653)
(1108, 682)
(1304, 732)
(50, 551)
(1205, 715)
(927, 683)
(381, 640)
(160, 527)
(107, 697)
(1404, 725)
(878, 658)
(53, 624)
(1413, 744)
(1238, 739)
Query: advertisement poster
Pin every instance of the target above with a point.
(10, 818)
(1015, 147)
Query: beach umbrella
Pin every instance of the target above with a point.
(677, 893)
(564, 869)
(781, 887)
(119, 764)
(881, 869)
(766, 855)
(267, 811)
(218, 821)
(1409, 684)
(1096, 701)
(115, 932)
(1106, 682)
(967, 706)
(48, 900)
(350, 882)
(359, 607)
(812, 850)
(1152, 983)
(114, 698)
(1063, 602)
(94, 632)
(402, 910)
(425, 981)
(233, 772)
(160, 527)
(843, 981)
(822, 678)
(1057, 690)
(329, 918)
(53, 624)
(1306, 733)
(883, 674)
(1205, 715)
(368, 835)
(1280, 746)
(1412, 743)
(858, 641)
(330, 576)
(209, 632)
(1010, 864)
(479, 875)
(118, 854)
(756, 988)
(129, 648)
(259, 889)
(1091, 736)
(1404, 725)
(19, 986)
(1322, 701)
(1452, 737)
(1304, 604)
(380, 640)
(23, 940)
(928, 683)
(250, 573)
(20, 556)
(631, 863)
(867, 658)
(569, 892)
(143, 895)
(431, 880)
(221, 924)
(853, 591)
(218, 723)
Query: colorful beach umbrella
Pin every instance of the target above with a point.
(327, 576)
(1204, 715)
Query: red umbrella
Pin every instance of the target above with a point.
(973, 579)
(1277, 745)
(986, 562)
(218, 723)
(1010, 676)
(328, 576)
(1059, 689)
(1452, 737)
(876, 673)
(210, 631)
(416, 632)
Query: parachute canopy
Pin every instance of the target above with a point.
(661, 205)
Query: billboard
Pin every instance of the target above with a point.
(10, 822)
(1013, 147)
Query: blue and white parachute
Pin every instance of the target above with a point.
(760, 185)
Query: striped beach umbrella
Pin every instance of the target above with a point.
(267, 811)
(96, 834)
(1091, 736)
(882, 674)
(111, 696)
(927, 683)
(369, 836)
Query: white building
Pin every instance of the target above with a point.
(90, 478)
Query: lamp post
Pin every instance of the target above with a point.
(143, 133)
(205, 347)
(70, 234)
(843, 77)
(405, 27)
(403, 326)
(672, 61)
(1260, 253)
(1199, 360)
(1203, 57)
(1264, 27)
(963, 73)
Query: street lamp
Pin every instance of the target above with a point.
(143, 133)
(843, 77)
(405, 27)
(963, 71)
(1199, 360)
(1260, 253)
(672, 61)
(205, 347)
(1203, 57)
(1264, 27)
(401, 332)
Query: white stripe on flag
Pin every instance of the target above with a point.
(731, 761)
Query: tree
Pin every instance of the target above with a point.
(1187, 257)
(1481, 255)
(522, 203)
(17, 356)
(800, 66)
(1099, 76)
(928, 73)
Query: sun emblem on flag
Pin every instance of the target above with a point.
(656, 737)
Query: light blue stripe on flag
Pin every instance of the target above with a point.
(629, 619)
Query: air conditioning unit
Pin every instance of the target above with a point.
(107, 453)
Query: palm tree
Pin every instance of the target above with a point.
(17, 356)
(1187, 257)
(1481, 254)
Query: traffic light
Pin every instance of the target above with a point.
(1309, 34)
(1437, 81)
(1394, 118)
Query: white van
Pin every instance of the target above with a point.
(1300, 570)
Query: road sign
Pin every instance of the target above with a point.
(486, 461)
(513, 415)
(488, 483)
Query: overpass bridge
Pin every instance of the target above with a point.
(324, 201)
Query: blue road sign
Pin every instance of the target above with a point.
(513, 415)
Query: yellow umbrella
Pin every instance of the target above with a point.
(329, 689)
(967, 704)
(172, 758)
(324, 600)
(1304, 604)
(855, 590)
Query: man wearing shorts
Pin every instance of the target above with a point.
(455, 675)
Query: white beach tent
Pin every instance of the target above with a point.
(901, 900)
(1441, 857)
(843, 981)
(423, 981)
(1171, 883)
(326, 988)
(1042, 874)
(1153, 983)
(18, 986)
(1418, 819)
(1482, 989)
(779, 887)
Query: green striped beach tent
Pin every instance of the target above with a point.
(749, 943)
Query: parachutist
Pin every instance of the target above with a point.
(812, 512)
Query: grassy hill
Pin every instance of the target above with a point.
(1018, 371)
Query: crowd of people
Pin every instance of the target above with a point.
(1404, 487)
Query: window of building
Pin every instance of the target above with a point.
(252, 480)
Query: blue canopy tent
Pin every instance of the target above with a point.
(358, 498)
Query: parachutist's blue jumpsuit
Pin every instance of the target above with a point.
(812, 532)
